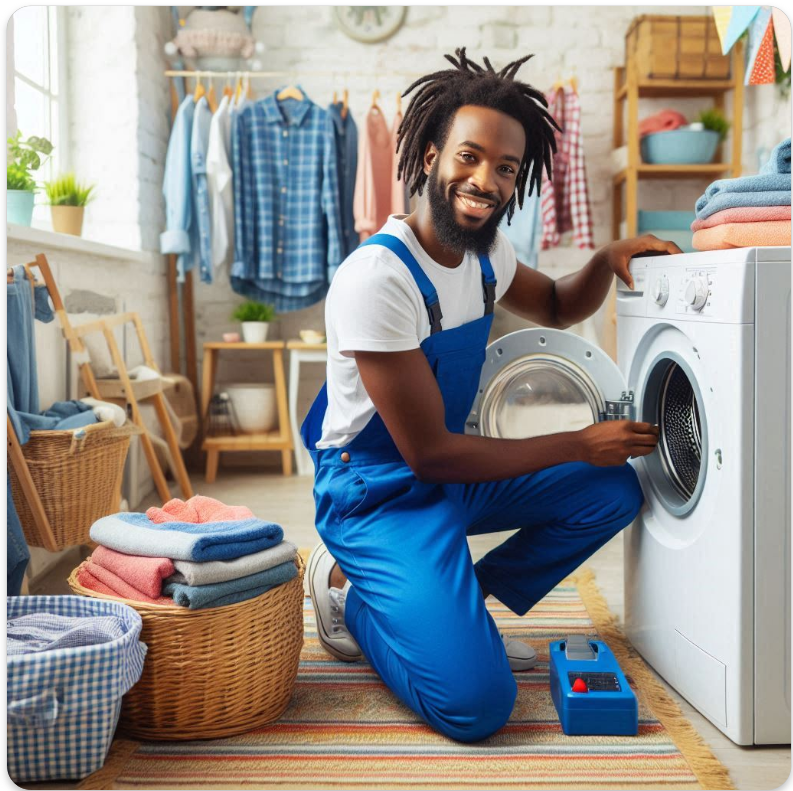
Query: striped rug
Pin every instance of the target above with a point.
(344, 729)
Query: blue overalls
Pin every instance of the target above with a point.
(415, 606)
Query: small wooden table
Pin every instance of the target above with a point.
(279, 439)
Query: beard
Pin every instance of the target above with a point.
(449, 232)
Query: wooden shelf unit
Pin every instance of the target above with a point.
(279, 439)
(629, 87)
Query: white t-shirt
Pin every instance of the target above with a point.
(374, 304)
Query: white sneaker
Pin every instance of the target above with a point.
(520, 655)
(329, 603)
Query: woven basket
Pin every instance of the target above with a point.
(77, 474)
(214, 672)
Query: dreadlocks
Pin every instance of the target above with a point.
(432, 109)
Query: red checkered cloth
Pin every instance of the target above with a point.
(565, 201)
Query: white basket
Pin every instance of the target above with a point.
(64, 704)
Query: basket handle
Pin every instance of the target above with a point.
(38, 711)
(78, 440)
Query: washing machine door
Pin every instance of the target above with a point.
(543, 381)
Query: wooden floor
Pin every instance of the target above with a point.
(289, 502)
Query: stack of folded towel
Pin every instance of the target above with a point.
(752, 211)
(199, 553)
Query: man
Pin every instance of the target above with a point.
(398, 484)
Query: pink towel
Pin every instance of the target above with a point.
(101, 580)
(142, 573)
(198, 510)
(665, 121)
(743, 234)
(743, 214)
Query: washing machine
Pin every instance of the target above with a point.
(703, 351)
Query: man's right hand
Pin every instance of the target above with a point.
(613, 442)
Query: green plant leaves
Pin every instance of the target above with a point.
(23, 156)
(66, 191)
(254, 311)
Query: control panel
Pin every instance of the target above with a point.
(695, 292)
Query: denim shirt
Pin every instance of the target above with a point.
(346, 133)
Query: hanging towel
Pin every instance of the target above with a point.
(118, 586)
(188, 573)
(779, 161)
(197, 597)
(45, 631)
(664, 121)
(145, 574)
(565, 201)
(198, 510)
(733, 200)
(373, 192)
(135, 534)
(743, 234)
(743, 214)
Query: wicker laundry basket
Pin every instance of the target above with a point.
(214, 672)
(77, 474)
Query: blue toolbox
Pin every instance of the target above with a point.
(589, 689)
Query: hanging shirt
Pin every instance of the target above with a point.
(373, 189)
(565, 201)
(199, 143)
(347, 165)
(286, 202)
(525, 230)
(180, 235)
(399, 202)
(220, 183)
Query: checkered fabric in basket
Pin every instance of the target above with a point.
(64, 704)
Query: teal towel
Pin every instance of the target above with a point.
(733, 200)
(197, 597)
(779, 161)
(769, 182)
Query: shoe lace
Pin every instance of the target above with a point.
(337, 602)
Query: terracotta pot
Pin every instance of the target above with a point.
(67, 219)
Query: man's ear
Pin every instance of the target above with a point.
(430, 155)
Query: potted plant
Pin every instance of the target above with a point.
(255, 318)
(714, 121)
(23, 156)
(67, 201)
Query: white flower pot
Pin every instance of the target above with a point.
(254, 407)
(255, 331)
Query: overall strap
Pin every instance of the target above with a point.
(488, 283)
(428, 291)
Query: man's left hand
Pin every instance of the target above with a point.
(618, 254)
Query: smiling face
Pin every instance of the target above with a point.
(472, 180)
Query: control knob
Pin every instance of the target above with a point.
(697, 293)
(661, 290)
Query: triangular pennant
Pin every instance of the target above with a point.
(764, 71)
(782, 34)
(721, 16)
(757, 31)
(742, 15)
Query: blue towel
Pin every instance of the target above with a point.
(62, 415)
(136, 534)
(44, 631)
(779, 161)
(770, 182)
(732, 200)
(197, 597)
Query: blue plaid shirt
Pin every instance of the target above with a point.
(286, 202)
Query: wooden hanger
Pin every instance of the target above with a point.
(211, 97)
(290, 92)
(344, 107)
(199, 89)
(375, 99)
(335, 98)
(227, 89)
(248, 89)
(399, 103)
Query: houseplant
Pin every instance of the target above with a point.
(714, 121)
(23, 157)
(67, 201)
(255, 318)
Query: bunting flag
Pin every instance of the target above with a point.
(742, 16)
(721, 16)
(757, 36)
(782, 34)
(763, 70)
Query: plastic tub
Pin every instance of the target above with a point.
(255, 407)
(680, 147)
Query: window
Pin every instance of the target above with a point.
(38, 89)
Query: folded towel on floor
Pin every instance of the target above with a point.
(213, 571)
(664, 121)
(45, 631)
(197, 597)
(145, 574)
(779, 161)
(770, 182)
(116, 586)
(743, 214)
(198, 510)
(135, 534)
(743, 234)
(705, 206)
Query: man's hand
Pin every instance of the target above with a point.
(615, 441)
(618, 254)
